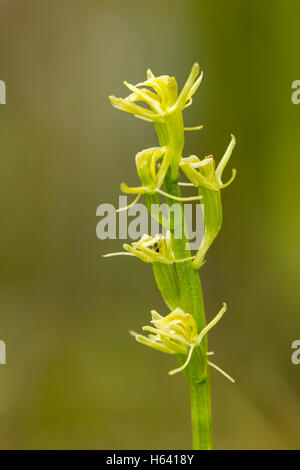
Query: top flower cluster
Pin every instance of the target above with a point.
(163, 99)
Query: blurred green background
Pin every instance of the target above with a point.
(74, 378)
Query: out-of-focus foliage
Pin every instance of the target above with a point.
(74, 377)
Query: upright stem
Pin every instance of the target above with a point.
(190, 300)
(201, 414)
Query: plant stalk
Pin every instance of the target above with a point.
(190, 300)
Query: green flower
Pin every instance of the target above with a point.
(161, 96)
(204, 172)
(177, 334)
(149, 249)
(146, 163)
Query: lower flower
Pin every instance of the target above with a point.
(177, 333)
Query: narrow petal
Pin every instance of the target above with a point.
(143, 95)
(152, 344)
(212, 324)
(234, 172)
(184, 95)
(195, 86)
(129, 107)
(175, 371)
(221, 371)
(225, 159)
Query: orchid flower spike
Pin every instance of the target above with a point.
(177, 334)
(203, 172)
(160, 96)
(149, 249)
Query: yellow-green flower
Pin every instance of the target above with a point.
(146, 163)
(177, 334)
(149, 249)
(204, 172)
(160, 95)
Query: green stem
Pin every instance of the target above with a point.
(191, 301)
(200, 414)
